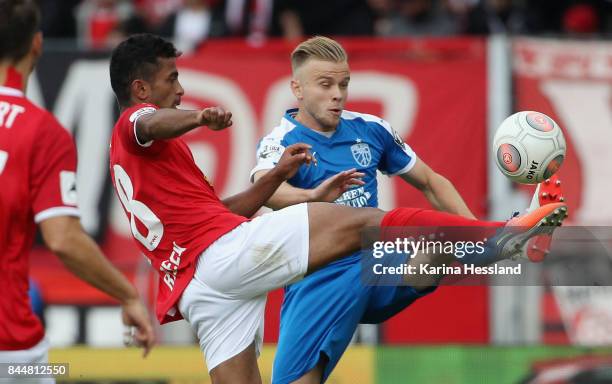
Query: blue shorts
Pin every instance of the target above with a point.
(320, 314)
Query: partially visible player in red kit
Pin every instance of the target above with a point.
(215, 265)
(37, 172)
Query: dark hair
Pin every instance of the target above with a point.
(19, 21)
(136, 58)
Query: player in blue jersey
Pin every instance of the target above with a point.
(320, 313)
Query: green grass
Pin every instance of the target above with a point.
(464, 364)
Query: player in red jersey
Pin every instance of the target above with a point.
(37, 173)
(216, 266)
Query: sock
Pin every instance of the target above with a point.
(454, 228)
(418, 217)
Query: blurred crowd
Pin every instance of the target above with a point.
(101, 23)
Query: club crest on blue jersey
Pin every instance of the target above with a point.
(361, 153)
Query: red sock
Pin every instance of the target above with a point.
(418, 217)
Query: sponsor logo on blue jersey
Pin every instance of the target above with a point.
(356, 197)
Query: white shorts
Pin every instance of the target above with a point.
(36, 354)
(225, 301)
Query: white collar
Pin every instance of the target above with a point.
(10, 91)
(327, 134)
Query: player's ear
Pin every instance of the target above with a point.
(37, 46)
(296, 88)
(140, 89)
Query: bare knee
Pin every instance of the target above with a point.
(336, 231)
(240, 369)
(373, 216)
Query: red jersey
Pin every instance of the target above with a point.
(37, 175)
(173, 211)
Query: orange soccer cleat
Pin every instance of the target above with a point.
(537, 223)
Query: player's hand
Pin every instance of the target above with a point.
(335, 186)
(141, 334)
(292, 158)
(216, 118)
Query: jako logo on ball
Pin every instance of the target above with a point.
(530, 147)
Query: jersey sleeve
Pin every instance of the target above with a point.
(269, 151)
(53, 172)
(127, 130)
(398, 158)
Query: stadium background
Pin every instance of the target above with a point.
(444, 95)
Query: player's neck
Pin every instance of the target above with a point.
(310, 122)
(13, 76)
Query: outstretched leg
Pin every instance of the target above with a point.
(335, 231)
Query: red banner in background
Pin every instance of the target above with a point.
(572, 82)
(433, 92)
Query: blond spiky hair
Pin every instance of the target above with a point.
(318, 47)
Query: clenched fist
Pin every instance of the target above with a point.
(216, 118)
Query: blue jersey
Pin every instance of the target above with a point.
(361, 141)
(321, 312)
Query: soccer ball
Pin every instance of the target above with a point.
(529, 147)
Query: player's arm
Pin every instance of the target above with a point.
(438, 190)
(327, 191)
(81, 255)
(166, 123)
(399, 159)
(247, 203)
